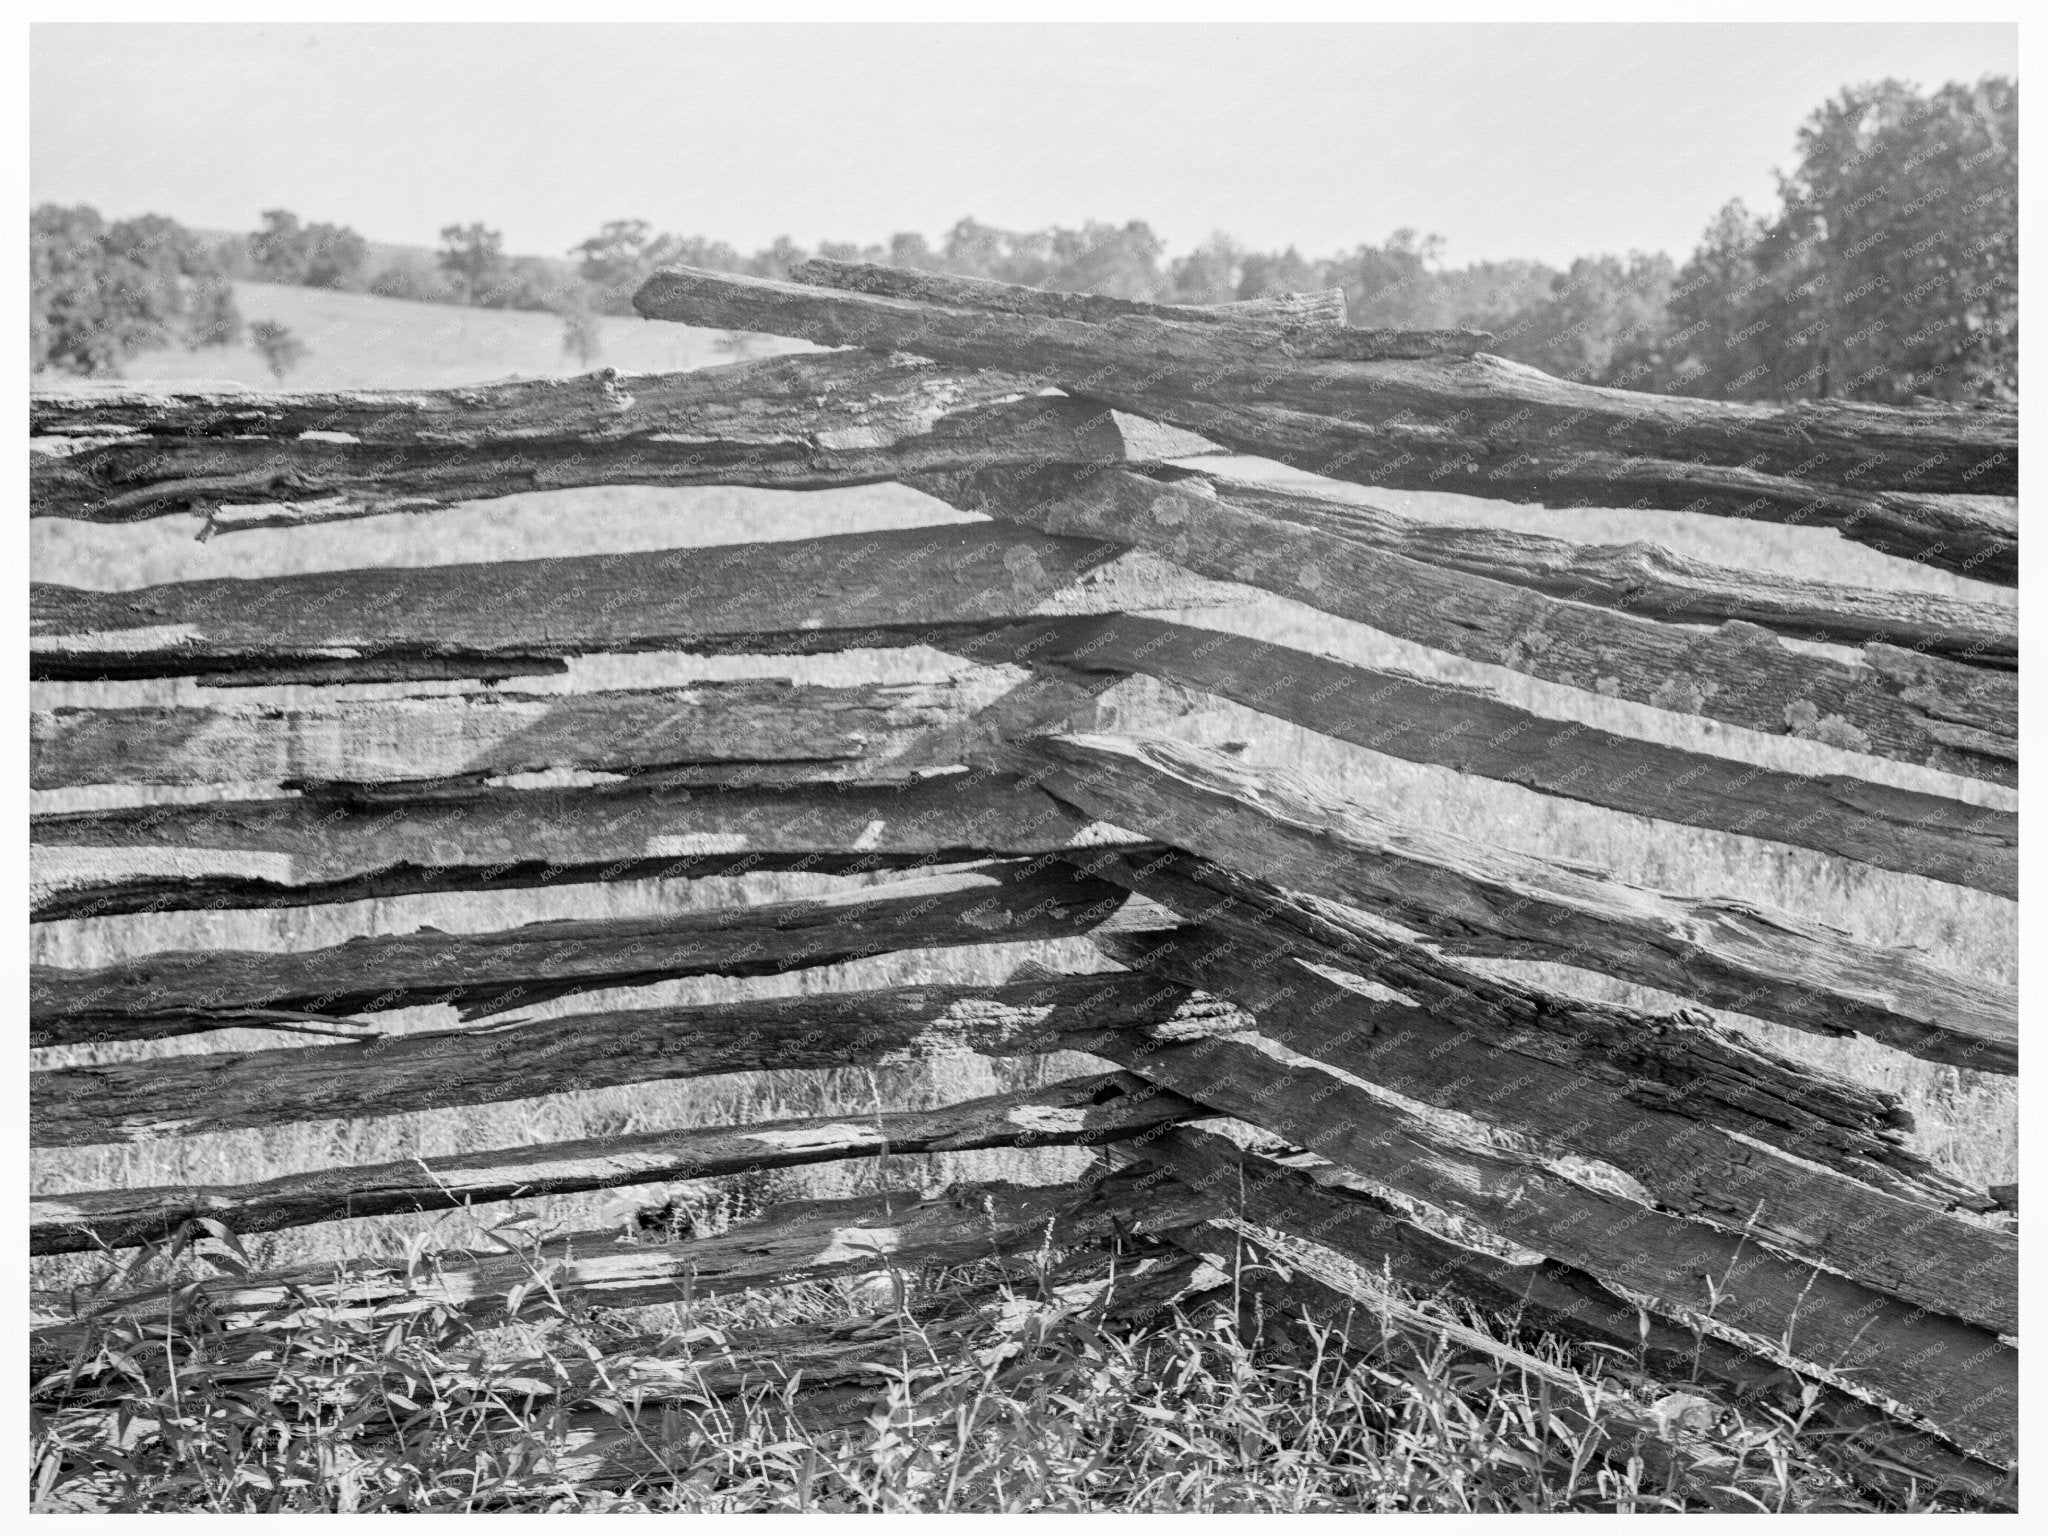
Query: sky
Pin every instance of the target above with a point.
(1547, 141)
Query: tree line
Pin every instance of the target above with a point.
(1888, 272)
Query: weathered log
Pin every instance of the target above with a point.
(1477, 899)
(1299, 324)
(1473, 730)
(1924, 710)
(1682, 1062)
(896, 587)
(744, 732)
(438, 1069)
(1079, 1111)
(747, 731)
(1963, 1379)
(1892, 1234)
(1373, 1234)
(1659, 583)
(804, 1240)
(1915, 483)
(310, 849)
(798, 422)
(180, 992)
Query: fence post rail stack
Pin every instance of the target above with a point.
(1758, 1219)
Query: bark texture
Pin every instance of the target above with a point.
(333, 847)
(1471, 729)
(178, 992)
(1476, 899)
(886, 1027)
(1076, 1112)
(1914, 708)
(1928, 485)
(893, 588)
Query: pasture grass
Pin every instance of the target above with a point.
(999, 1391)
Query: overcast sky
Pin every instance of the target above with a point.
(1549, 141)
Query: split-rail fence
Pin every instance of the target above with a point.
(1657, 1182)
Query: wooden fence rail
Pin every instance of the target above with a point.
(1315, 969)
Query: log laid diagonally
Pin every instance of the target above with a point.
(1689, 1158)
(1658, 583)
(1473, 730)
(1914, 708)
(1680, 1062)
(1484, 900)
(1453, 422)
(1963, 1378)
(1282, 1194)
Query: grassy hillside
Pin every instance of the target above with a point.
(359, 341)
(1968, 1121)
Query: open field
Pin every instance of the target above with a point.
(1967, 1121)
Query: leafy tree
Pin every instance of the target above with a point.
(1598, 318)
(413, 276)
(308, 255)
(530, 283)
(1909, 206)
(615, 261)
(474, 259)
(1209, 274)
(282, 351)
(912, 250)
(100, 293)
(1392, 285)
(1890, 271)
(777, 259)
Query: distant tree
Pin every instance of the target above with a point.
(1491, 295)
(474, 259)
(1909, 205)
(974, 249)
(847, 250)
(310, 255)
(912, 250)
(281, 350)
(413, 276)
(777, 259)
(1263, 274)
(100, 293)
(615, 261)
(1097, 258)
(1395, 284)
(1122, 262)
(1209, 274)
(1597, 320)
(1891, 270)
(1735, 321)
(531, 283)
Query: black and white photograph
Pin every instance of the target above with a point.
(1070, 764)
